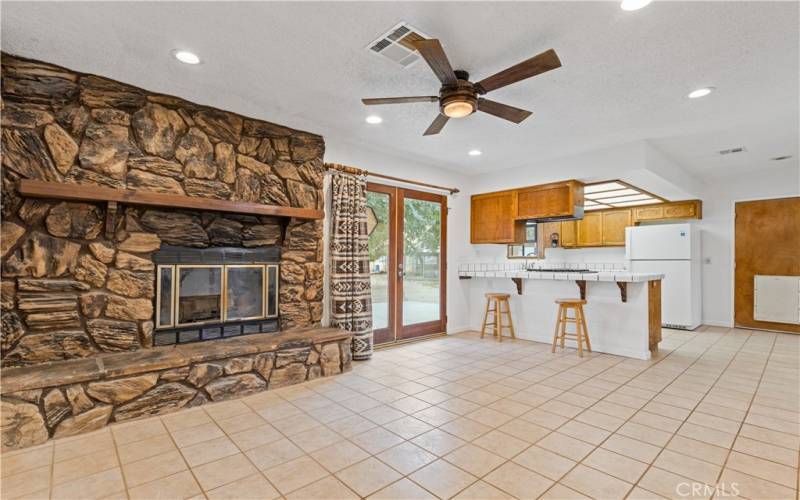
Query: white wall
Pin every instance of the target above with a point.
(637, 163)
(718, 234)
(337, 151)
(646, 167)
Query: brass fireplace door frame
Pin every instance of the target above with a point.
(175, 292)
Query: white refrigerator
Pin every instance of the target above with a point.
(674, 251)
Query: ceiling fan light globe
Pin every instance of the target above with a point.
(631, 5)
(458, 109)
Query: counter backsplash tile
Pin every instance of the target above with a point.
(524, 266)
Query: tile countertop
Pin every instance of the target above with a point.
(517, 271)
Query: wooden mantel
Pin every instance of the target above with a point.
(88, 193)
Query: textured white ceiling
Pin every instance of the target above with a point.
(624, 74)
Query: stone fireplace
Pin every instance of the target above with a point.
(84, 278)
(205, 294)
(118, 306)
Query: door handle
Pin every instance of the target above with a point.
(400, 270)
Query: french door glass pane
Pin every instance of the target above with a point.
(378, 228)
(422, 229)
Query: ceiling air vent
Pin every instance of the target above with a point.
(740, 149)
(397, 44)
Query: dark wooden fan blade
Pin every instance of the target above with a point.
(437, 125)
(503, 111)
(433, 53)
(399, 100)
(536, 65)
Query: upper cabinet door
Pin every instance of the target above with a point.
(549, 200)
(568, 234)
(492, 218)
(590, 230)
(614, 224)
(688, 209)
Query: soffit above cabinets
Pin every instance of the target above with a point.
(616, 194)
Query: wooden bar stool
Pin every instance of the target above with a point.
(494, 305)
(581, 334)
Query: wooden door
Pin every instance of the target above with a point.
(767, 242)
(590, 230)
(408, 262)
(422, 264)
(492, 218)
(382, 224)
(614, 223)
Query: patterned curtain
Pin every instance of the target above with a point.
(351, 301)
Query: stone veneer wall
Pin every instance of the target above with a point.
(72, 397)
(70, 292)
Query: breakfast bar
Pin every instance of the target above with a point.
(623, 309)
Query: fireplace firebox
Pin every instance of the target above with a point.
(204, 294)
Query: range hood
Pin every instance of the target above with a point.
(577, 214)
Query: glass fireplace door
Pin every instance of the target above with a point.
(244, 292)
(199, 294)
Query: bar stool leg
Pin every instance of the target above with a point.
(585, 331)
(578, 332)
(498, 319)
(485, 317)
(564, 327)
(555, 332)
(510, 321)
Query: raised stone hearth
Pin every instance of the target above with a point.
(75, 396)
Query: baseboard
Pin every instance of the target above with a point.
(725, 324)
(458, 329)
(547, 338)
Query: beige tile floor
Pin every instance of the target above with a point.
(716, 414)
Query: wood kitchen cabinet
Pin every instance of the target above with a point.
(597, 229)
(590, 230)
(500, 217)
(492, 219)
(569, 234)
(689, 209)
(614, 223)
(557, 199)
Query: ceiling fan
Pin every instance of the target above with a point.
(458, 97)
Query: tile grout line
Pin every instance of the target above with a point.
(711, 386)
(564, 353)
(546, 364)
(119, 461)
(747, 413)
(580, 462)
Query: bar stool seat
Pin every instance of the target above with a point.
(581, 334)
(494, 306)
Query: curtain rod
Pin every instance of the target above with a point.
(359, 171)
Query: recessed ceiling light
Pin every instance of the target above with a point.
(374, 119)
(186, 57)
(475, 152)
(634, 4)
(700, 92)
